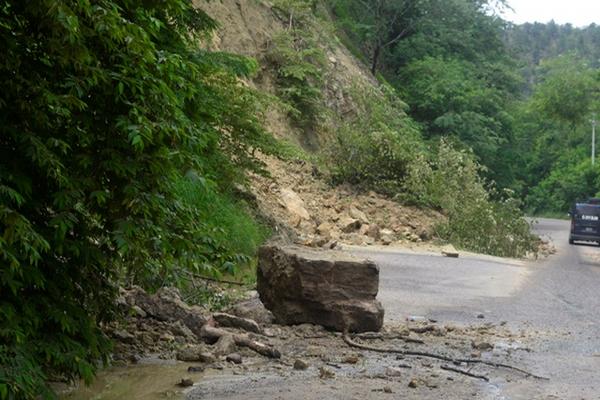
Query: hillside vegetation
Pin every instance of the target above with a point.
(129, 130)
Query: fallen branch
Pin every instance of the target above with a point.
(361, 346)
(213, 334)
(388, 336)
(206, 278)
(467, 373)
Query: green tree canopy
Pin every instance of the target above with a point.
(104, 105)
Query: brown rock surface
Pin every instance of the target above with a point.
(331, 289)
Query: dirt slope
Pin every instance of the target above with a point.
(294, 196)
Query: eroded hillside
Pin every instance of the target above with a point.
(297, 196)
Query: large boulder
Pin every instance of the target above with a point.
(328, 288)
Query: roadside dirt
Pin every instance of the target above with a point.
(313, 362)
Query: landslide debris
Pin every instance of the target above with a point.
(320, 215)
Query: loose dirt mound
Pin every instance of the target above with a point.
(322, 216)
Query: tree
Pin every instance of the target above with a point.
(103, 106)
(377, 24)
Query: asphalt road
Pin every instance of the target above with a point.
(558, 298)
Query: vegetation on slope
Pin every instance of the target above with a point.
(108, 113)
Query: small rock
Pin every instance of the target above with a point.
(300, 365)
(225, 345)
(373, 231)
(325, 229)
(353, 359)
(325, 373)
(359, 215)
(167, 337)
(123, 336)
(483, 346)
(138, 312)
(480, 316)
(195, 368)
(392, 371)
(234, 321)
(235, 358)
(475, 354)
(413, 383)
(349, 225)
(387, 389)
(186, 382)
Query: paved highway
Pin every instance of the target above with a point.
(557, 297)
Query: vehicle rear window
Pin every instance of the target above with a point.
(586, 209)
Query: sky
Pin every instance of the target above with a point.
(577, 12)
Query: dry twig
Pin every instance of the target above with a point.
(352, 343)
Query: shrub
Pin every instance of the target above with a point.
(375, 146)
(451, 182)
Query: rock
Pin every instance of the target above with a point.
(387, 389)
(178, 328)
(195, 368)
(386, 236)
(348, 224)
(483, 346)
(252, 309)
(300, 365)
(373, 231)
(359, 215)
(294, 204)
(353, 359)
(449, 254)
(392, 371)
(123, 336)
(326, 373)
(225, 345)
(332, 289)
(186, 382)
(233, 321)
(413, 383)
(138, 312)
(325, 229)
(166, 305)
(167, 337)
(195, 353)
(480, 316)
(235, 358)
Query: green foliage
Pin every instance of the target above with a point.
(451, 182)
(104, 106)
(567, 90)
(375, 146)
(564, 186)
(300, 64)
(452, 98)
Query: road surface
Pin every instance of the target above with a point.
(558, 297)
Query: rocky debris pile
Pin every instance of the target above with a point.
(323, 216)
(335, 290)
(162, 325)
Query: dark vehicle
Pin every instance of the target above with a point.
(585, 222)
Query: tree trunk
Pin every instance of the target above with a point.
(375, 59)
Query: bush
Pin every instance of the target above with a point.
(451, 183)
(300, 63)
(104, 105)
(375, 146)
(565, 185)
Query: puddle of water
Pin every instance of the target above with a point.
(135, 382)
